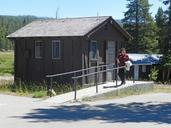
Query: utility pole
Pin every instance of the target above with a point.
(97, 15)
(57, 13)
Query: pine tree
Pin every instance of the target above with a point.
(139, 23)
(167, 43)
(160, 18)
(9, 24)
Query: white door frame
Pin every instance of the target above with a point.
(110, 57)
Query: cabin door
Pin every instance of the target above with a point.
(110, 58)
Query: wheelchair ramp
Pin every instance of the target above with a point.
(91, 91)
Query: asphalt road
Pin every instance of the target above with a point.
(144, 111)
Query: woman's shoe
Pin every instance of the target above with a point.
(123, 83)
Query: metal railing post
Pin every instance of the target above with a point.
(103, 76)
(75, 89)
(96, 82)
(51, 82)
(48, 87)
(117, 76)
(133, 74)
(113, 73)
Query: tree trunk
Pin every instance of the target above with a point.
(163, 74)
(168, 75)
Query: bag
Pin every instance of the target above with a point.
(128, 65)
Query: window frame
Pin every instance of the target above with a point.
(36, 48)
(52, 45)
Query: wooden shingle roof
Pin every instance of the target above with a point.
(60, 27)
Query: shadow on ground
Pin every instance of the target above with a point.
(132, 112)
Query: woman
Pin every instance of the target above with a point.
(121, 59)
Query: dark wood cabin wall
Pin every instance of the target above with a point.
(30, 68)
(105, 34)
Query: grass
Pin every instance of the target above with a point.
(130, 91)
(20, 88)
(6, 63)
(39, 90)
(39, 94)
(31, 89)
(35, 90)
(162, 88)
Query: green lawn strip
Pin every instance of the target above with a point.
(31, 89)
(162, 88)
(128, 91)
(36, 94)
(23, 89)
(6, 63)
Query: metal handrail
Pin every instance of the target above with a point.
(76, 77)
(72, 72)
(76, 71)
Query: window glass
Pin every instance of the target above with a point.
(38, 49)
(55, 49)
(93, 50)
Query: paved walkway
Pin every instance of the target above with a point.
(91, 91)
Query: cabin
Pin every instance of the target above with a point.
(143, 64)
(61, 45)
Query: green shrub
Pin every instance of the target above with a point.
(154, 74)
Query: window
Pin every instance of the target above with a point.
(56, 50)
(38, 49)
(93, 50)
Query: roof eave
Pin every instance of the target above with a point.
(122, 30)
(125, 33)
(14, 37)
(96, 28)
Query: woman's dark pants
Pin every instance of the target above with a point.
(121, 74)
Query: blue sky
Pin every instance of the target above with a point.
(69, 8)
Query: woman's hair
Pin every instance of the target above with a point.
(122, 49)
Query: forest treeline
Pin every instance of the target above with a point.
(9, 24)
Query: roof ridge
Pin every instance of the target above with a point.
(84, 17)
(72, 18)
